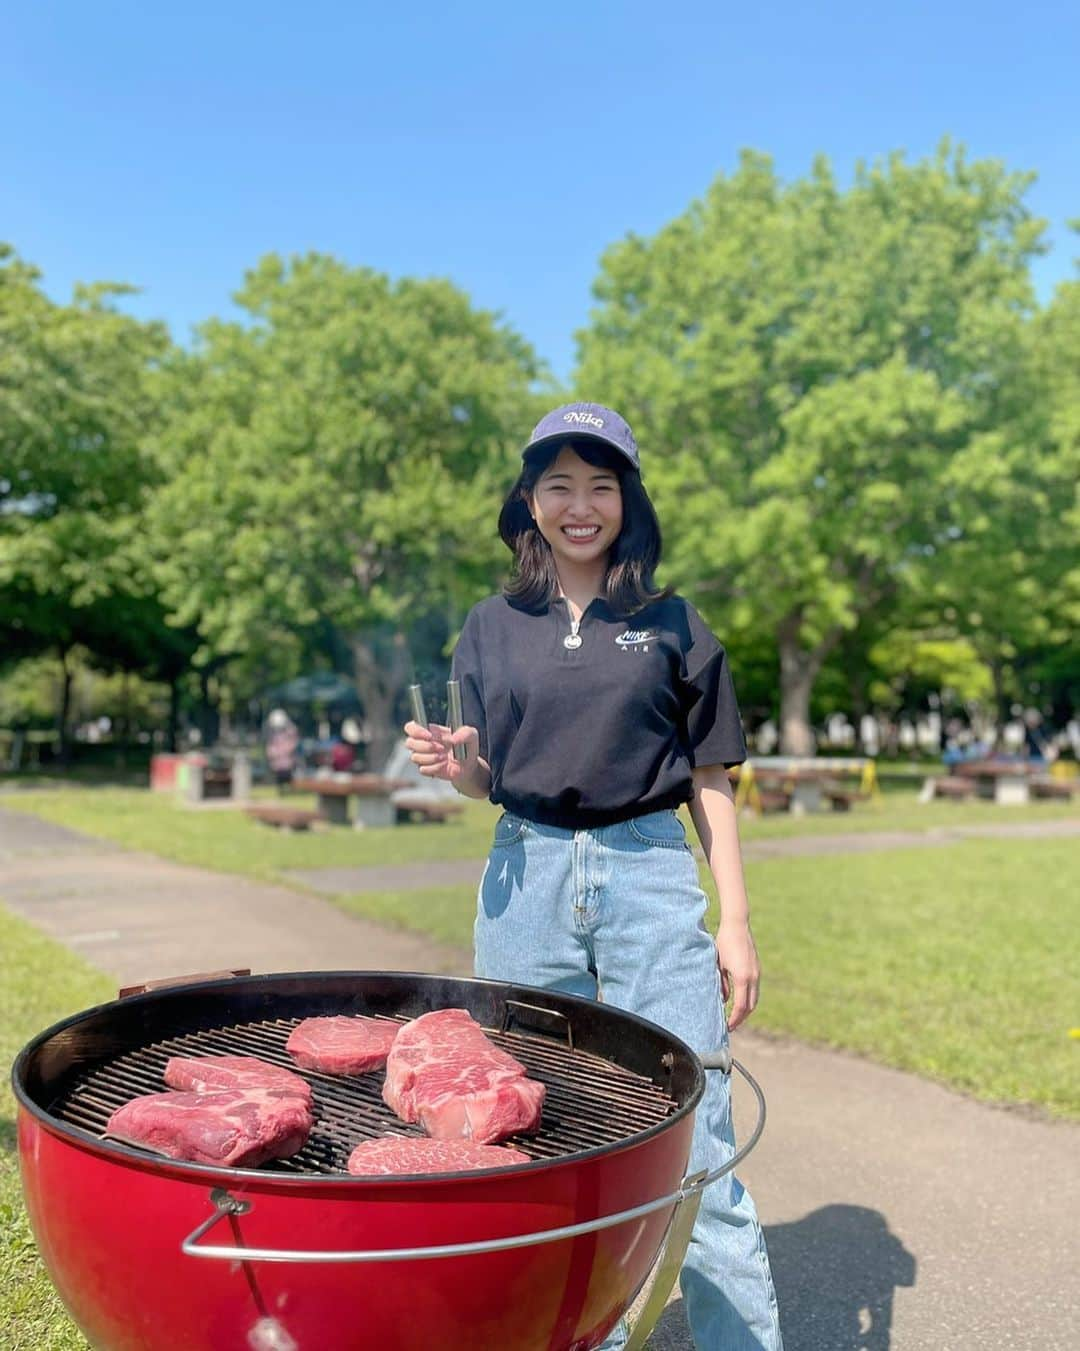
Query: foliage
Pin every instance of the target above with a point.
(30, 693)
(76, 399)
(814, 372)
(938, 662)
(862, 436)
(334, 465)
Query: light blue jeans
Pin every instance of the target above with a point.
(617, 913)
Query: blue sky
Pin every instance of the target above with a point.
(503, 146)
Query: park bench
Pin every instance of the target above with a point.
(424, 809)
(281, 816)
(1058, 790)
(950, 786)
(217, 782)
(840, 798)
(799, 786)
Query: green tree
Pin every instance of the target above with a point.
(75, 402)
(1009, 579)
(334, 465)
(1055, 662)
(805, 365)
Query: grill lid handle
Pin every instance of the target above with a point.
(196, 979)
(555, 1019)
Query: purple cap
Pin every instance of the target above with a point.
(581, 421)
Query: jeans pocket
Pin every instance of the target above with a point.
(508, 830)
(663, 830)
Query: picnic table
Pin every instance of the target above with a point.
(804, 786)
(1008, 783)
(372, 792)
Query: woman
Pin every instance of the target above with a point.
(281, 747)
(596, 705)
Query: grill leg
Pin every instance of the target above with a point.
(667, 1268)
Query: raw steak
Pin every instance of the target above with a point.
(240, 1128)
(217, 1073)
(443, 1072)
(342, 1045)
(396, 1154)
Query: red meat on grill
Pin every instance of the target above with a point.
(342, 1045)
(239, 1128)
(443, 1072)
(396, 1154)
(219, 1073)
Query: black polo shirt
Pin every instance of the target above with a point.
(589, 735)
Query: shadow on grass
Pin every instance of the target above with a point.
(835, 1271)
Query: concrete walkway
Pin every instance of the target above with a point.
(900, 1216)
(139, 917)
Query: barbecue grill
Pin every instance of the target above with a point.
(148, 1252)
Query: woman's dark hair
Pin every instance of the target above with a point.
(635, 554)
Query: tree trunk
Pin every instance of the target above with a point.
(799, 668)
(858, 695)
(380, 671)
(1001, 698)
(174, 715)
(796, 686)
(209, 723)
(122, 736)
(65, 708)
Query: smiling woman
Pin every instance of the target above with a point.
(595, 705)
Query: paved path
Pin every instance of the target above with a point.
(900, 1216)
(139, 917)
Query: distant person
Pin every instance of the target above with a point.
(597, 704)
(766, 737)
(281, 747)
(1036, 747)
(342, 757)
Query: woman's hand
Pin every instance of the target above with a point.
(740, 971)
(431, 749)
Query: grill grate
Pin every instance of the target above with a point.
(590, 1102)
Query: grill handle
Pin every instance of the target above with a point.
(691, 1187)
(195, 979)
(551, 1015)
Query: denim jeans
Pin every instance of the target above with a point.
(617, 913)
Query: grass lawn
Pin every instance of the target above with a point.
(959, 962)
(227, 840)
(39, 983)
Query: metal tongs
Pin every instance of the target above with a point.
(454, 715)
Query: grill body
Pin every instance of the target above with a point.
(109, 1219)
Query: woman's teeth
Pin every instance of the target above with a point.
(581, 532)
